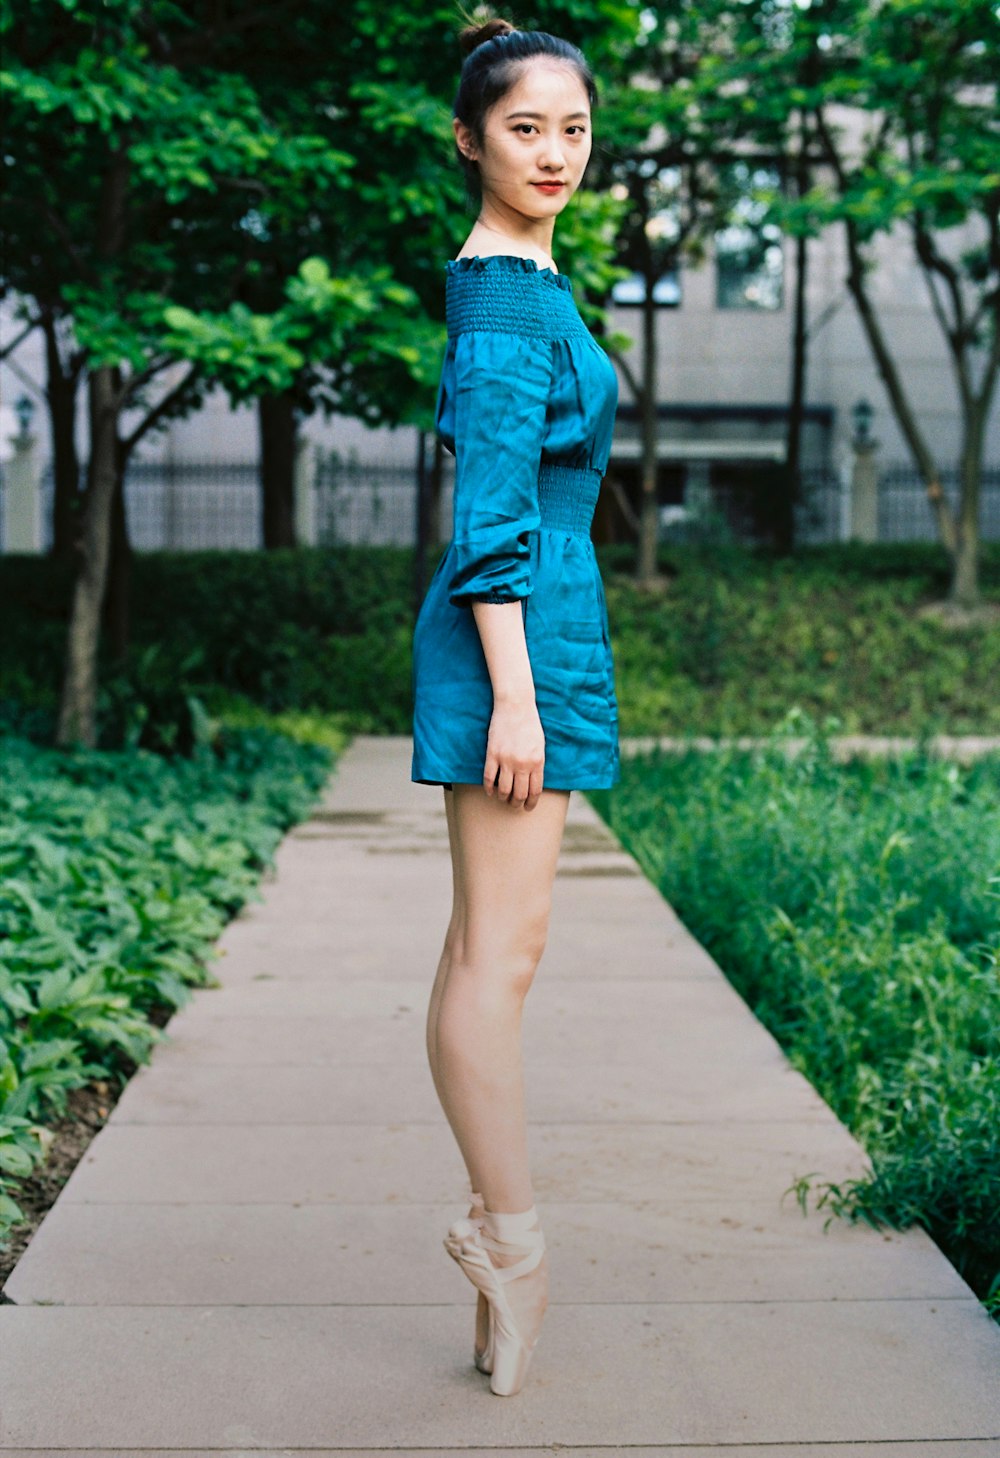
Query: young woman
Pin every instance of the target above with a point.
(514, 693)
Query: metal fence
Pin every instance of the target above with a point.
(905, 515)
(193, 506)
(361, 505)
(216, 505)
(186, 507)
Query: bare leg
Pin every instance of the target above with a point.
(503, 864)
(432, 1016)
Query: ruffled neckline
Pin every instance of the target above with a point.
(509, 263)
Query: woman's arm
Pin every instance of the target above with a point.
(515, 751)
(501, 383)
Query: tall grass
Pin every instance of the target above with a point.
(856, 907)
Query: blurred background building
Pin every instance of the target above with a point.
(723, 364)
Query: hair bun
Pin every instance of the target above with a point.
(471, 36)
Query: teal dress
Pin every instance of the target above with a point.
(526, 404)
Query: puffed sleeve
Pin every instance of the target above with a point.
(501, 393)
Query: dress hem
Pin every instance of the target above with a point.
(588, 783)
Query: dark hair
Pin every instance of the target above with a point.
(494, 48)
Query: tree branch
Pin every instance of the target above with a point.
(29, 328)
(134, 383)
(624, 505)
(159, 411)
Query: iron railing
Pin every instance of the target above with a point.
(195, 506)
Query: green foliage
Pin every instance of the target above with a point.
(857, 909)
(289, 190)
(739, 637)
(119, 871)
(323, 317)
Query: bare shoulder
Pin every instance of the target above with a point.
(490, 247)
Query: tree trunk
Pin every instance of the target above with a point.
(905, 417)
(78, 705)
(965, 577)
(278, 429)
(78, 708)
(793, 444)
(649, 520)
(60, 391)
(117, 605)
(788, 484)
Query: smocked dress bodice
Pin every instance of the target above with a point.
(527, 404)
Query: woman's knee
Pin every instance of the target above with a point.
(508, 956)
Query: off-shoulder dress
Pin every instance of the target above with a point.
(526, 404)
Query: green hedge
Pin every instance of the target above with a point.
(737, 638)
(118, 872)
(740, 637)
(857, 909)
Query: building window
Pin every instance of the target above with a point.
(749, 257)
(631, 291)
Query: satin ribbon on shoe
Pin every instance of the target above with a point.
(469, 1242)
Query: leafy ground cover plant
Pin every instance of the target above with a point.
(118, 872)
(856, 907)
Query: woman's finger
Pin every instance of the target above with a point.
(535, 780)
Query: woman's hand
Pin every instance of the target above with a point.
(515, 745)
(515, 752)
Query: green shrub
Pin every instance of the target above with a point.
(737, 638)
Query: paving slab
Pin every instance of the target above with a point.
(326, 1040)
(404, 1163)
(248, 1258)
(686, 1002)
(327, 946)
(947, 1448)
(360, 1093)
(401, 1376)
(325, 1254)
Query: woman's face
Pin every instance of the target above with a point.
(539, 132)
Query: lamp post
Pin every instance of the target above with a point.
(862, 414)
(24, 409)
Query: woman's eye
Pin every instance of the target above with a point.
(528, 126)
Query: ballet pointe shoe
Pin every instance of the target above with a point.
(509, 1345)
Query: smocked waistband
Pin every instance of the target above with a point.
(567, 497)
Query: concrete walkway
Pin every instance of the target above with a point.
(249, 1259)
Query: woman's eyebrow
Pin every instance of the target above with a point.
(540, 116)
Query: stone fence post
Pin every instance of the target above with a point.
(22, 496)
(864, 490)
(305, 492)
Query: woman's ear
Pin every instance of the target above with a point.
(464, 139)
